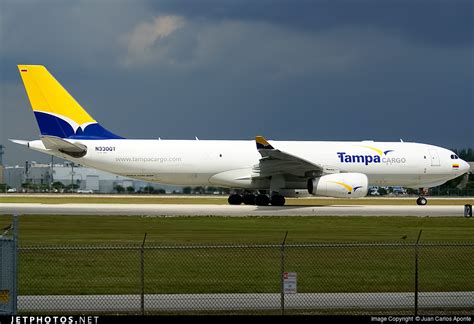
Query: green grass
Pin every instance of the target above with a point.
(77, 230)
(250, 270)
(219, 200)
(114, 200)
(255, 269)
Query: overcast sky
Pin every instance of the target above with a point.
(288, 70)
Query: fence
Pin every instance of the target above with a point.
(8, 263)
(248, 279)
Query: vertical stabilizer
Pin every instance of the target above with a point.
(56, 111)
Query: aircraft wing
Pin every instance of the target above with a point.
(275, 162)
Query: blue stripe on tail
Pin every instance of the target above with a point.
(54, 126)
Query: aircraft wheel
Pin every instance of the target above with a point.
(234, 199)
(421, 201)
(278, 200)
(262, 200)
(249, 199)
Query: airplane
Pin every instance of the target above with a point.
(264, 171)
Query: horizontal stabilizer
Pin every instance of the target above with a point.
(61, 145)
(21, 142)
(56, 143)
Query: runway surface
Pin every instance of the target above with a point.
(215, 302)
(228, 210)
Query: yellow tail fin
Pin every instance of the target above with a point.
(56, 111)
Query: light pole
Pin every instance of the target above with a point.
(1, 154)
(72, 177)
(51, 178)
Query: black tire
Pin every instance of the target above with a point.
(278, 200)
(249, 199)
(421, 201)
(234, 199)
(262, 200)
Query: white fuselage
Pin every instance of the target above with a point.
(232, 163)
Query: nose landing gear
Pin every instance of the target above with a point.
(421, 201)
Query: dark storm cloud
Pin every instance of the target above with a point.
(438, 22)
(302, 70)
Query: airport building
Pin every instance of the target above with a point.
(1, 163)
(87, 179)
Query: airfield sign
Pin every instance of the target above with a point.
(289, 282)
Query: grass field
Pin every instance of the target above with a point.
(244, 270)
(234, 269)
(93, 230)
(218, 200)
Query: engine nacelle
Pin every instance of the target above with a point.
(340, 185)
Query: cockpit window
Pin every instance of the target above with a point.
(454, 157)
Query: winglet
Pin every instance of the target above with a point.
(262, 143)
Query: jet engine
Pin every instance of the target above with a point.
(340, 185)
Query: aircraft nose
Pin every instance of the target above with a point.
(465, 166)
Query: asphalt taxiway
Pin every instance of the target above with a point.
(228, 210)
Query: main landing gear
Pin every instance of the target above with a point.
(259, 200)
